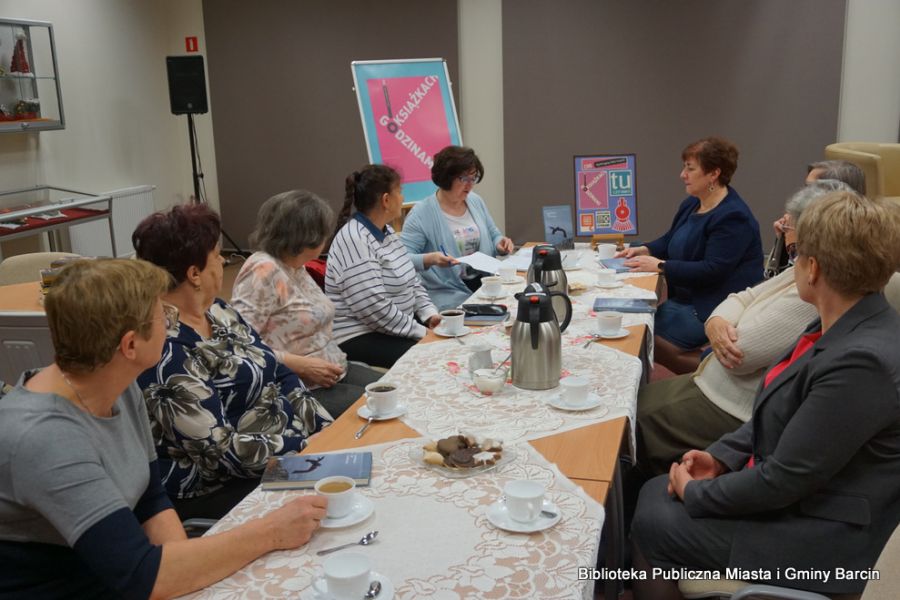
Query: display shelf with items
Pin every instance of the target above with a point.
(30, 96)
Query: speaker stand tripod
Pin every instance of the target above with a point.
(197, 176)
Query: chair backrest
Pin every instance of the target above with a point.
(25, 343)
(27, 267)
(316, 270)
(888, 566)
(879, 162)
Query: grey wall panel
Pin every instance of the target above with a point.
(597, 76)
(284, 113)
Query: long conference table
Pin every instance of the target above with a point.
(588, 456)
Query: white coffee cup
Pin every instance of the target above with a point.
(453, 320)
(347, 575)
(492, 286)
(606, 251)
(606, 276)
(609, 323)
(507, 272)
(524, 500)
(382, 397)
(575, 389)
(340, 492)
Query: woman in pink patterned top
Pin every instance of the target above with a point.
(276, 295)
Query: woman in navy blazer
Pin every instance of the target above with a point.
(812, 481)
(712, 249)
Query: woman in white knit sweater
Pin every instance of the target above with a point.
(748, 331)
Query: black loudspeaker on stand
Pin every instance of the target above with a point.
(187, 96)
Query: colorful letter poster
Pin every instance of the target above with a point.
(605, 196)
(408, 116)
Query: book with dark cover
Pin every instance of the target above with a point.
(302, 471)
(623, 305)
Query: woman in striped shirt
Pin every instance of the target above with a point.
(380, 304)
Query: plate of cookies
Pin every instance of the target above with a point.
(460, 456)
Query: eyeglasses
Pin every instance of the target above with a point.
(464, 179)
(170, 314)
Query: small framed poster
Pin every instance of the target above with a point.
(558, 228)
(605, 194)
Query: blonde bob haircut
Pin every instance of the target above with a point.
(93, 303)
(855, 240)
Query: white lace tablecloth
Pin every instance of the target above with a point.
(434, 538)
(441, 400)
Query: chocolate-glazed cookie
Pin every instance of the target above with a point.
(464, 458)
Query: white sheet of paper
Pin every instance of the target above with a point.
(520, 261)
(482, 262)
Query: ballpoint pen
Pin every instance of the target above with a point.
(443, 250)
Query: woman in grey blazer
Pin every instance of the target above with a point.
(807, 492)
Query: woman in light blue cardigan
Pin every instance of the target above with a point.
(454, 220)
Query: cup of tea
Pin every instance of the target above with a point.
(492, 286)
(524, 499)
(453, 321)
(574, 390)
(605, 251)
(609, 323)
(347, 575)
(339, 491)
(606, 277)
(507, 273)
(381, 398)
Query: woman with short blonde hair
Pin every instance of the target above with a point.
(82, 509)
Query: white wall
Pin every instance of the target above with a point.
(481, 95)
(119, 131)
(870, 86)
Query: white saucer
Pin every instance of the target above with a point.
(365, 412)
(362, 508)
(622, 332)
(499, 517)
(513, 281)
(443, 333)
(611, 286)
(320, 586)
(593, 401)
(484, 296)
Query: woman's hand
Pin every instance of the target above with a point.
(643, 264)
(632, 252)
(312, 370)
(723, 339)
(695, 464)
(505, 245)
(293, 524)
(438, 259)
(433, 321)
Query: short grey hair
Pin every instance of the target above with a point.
(805, 196)
(841, 170)
(291, 222)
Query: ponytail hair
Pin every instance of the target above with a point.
(364, 188)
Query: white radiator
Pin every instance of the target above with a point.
(129, 207)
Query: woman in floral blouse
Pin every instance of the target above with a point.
(220, 403)
(277, 296)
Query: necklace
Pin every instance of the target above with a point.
(77, 395)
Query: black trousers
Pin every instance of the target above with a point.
(377, 349)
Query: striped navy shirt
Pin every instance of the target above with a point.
(373, 284)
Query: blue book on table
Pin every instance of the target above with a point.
(624, 305)
(615, 263)
(302, 471)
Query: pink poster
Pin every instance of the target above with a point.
(411, 123)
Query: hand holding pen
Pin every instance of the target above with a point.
(439, 259)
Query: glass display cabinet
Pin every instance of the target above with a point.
(30, 96)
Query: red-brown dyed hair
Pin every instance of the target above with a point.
(714, 153)
(178, 239)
